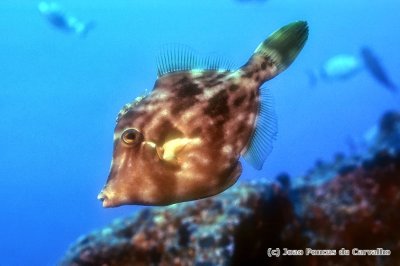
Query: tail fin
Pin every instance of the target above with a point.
(277, 52)
(312, 77)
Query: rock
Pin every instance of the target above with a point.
(354, 207)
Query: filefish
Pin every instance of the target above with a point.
(376, 69)
(58, 18)
(183, 141)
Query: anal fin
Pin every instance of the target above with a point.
(265, 131)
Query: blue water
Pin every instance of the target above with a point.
(59, 96)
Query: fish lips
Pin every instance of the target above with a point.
(105, 198)
(110, 199)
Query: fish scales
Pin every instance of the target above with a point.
(183, 141)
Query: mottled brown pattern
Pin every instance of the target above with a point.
(233, 87)
(239, 100)
(218, 105)
(184, 105)
(180, 113)
(188, 89)
(167, 131)
(195, 125)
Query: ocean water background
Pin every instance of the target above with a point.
(59, 95)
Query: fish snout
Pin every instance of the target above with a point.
(104, 198)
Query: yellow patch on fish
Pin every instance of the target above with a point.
(183, 141)
(170, 150)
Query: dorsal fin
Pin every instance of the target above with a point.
(264, 133)
(178, 57)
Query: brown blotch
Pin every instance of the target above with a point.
(241, 128)
(263, 65)
(238, 101)
(188, 89)
(249, 74)
(213, 83)
(183, 105)
(218, 105)
(233, 87)
(221, 75)
(214, 79)
(252, 96)
(182, 80)
(197, 131)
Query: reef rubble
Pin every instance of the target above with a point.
(355, 209)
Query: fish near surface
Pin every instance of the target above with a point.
(183, 141)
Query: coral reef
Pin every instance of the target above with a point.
(354, 207)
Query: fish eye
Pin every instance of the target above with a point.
(131, 136)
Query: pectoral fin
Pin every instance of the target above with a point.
(171, 149)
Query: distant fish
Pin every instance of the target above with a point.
(62, 21)
(376, 69)
(183, 141)
(339, 67)
(386, 135)
(345, 66)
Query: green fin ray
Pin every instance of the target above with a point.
(283, 46)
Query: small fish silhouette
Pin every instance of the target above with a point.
(338, 67)
(376, 69)
(62, 21)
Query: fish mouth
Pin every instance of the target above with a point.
(104, 199)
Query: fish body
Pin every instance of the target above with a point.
(376, 69)
(183, 141)
(62, 21)
(345, 66)
(338, 67)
